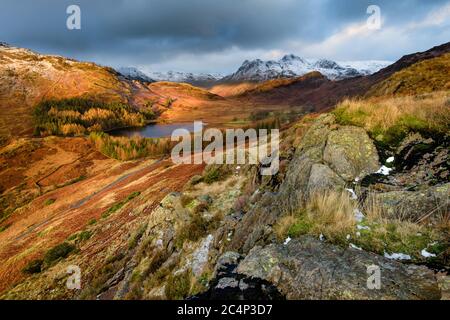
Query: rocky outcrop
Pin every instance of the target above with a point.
(328, 156)
(310, 269)
(351, 153)
(430, 204)
(229, 285)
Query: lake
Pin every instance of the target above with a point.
(158, 130)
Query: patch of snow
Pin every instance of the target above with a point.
(427, 254)
(352, 192)
(348, 237)
(397, 256)
(390, 160)
(360, 227)
(359, 216)
(321, 237)
(355, 247)
(287, 241)
(358, 234)
(384, 171)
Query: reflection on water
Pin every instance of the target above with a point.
(153, 130)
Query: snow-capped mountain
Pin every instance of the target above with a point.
(134, 74)
(294, 66)
(187, 77)
(171, 76)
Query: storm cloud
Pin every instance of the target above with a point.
(216, 36)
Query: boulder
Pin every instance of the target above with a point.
(322, 178)
(310, 269)
(351, 153)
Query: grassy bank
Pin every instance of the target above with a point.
(389, 120)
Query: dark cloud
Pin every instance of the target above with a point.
(154, 32)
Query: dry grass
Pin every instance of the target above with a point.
(331, 214)
(423, 77)
(389, 119)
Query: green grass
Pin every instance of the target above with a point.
(3, 228)
(57, 253)
(49, 202)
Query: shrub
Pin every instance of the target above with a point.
(57, 253)
(49, 202)
(137, 236)
(215, 173)
(84, 235)
(178, 286)
(34, 266)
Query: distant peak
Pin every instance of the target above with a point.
(290, 57)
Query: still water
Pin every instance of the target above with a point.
(153, 130)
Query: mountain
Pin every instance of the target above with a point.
(293, 66)
(134, 74)
(322, 93)
(196, 79)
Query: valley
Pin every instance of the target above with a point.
(78, 188)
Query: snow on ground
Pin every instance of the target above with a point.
(397, 256)
(427, 254)
(384, 171)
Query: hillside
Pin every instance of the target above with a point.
(27, 78)
(143, 230)
(423, 77)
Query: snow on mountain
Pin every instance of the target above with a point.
(187, 77)
(135, 74)
(294, 66)
(366, 67)
(171, 76)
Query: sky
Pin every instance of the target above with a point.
(217, 36)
